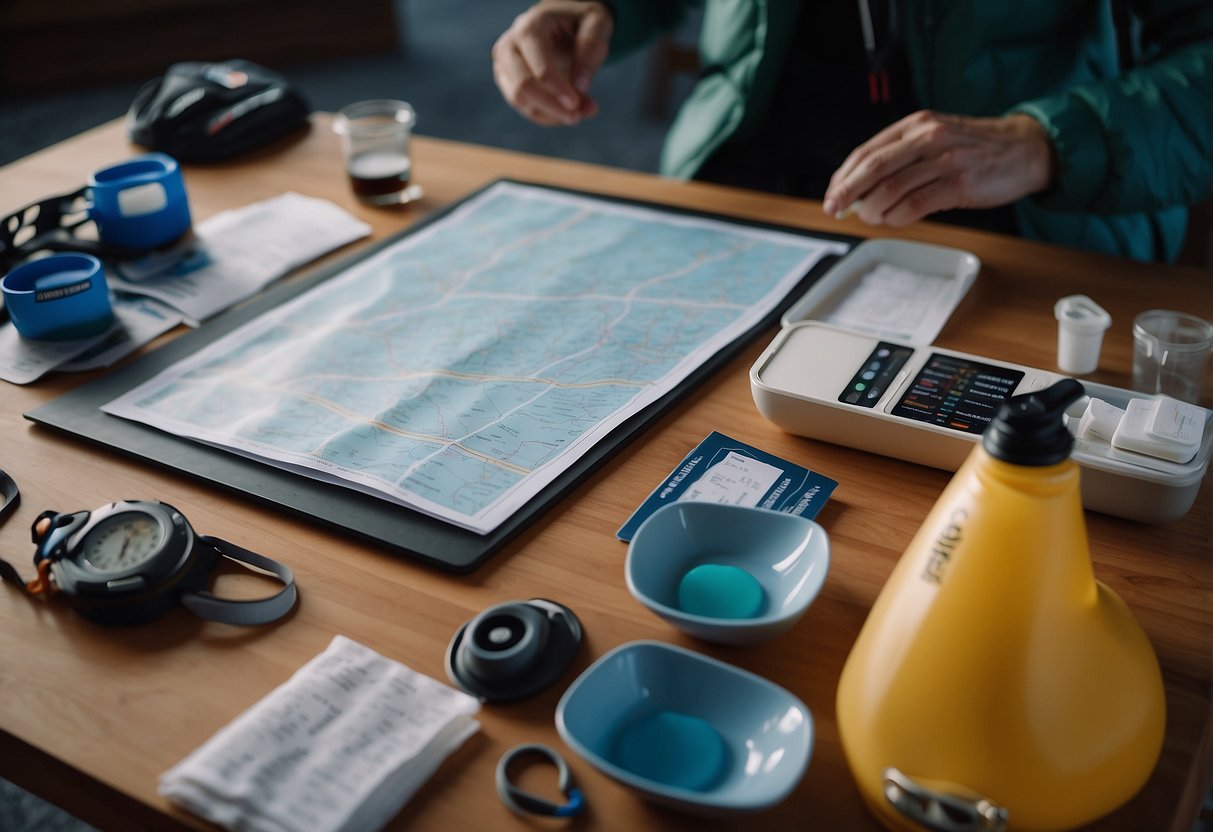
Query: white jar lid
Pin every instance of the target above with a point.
(1080, 314)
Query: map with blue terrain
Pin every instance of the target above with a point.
(462, 368)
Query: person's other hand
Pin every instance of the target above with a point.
(544, 62)
(929, 162)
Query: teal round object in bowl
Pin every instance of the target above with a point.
(672, 748)
(701, 567)
(719, 591)
(687, 731)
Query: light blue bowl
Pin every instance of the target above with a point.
(764, 734)
(787, 555)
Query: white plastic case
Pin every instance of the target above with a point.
(1116, 482)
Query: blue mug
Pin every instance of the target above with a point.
(59, 297)
(139, 203)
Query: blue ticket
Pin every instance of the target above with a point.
(723, 470)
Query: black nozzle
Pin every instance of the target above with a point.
(1030, 429)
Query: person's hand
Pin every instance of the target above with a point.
(544, 62)
(929, 162)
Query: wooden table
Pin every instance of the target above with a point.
(89, 716)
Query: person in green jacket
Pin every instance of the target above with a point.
(1024, 116)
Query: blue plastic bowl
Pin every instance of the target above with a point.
(788, 556)
(687, 731)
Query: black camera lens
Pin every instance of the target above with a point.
(499, 632)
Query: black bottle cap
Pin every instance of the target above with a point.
(1029, 429)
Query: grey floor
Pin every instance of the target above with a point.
(442, 68)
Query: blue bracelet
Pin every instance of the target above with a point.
(524, 802)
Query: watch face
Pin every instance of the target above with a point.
(122, 541)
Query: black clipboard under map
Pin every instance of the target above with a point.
(439, 391)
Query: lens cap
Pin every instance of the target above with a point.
(513, 650)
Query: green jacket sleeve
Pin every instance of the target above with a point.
(1143, 140)
(638, 22)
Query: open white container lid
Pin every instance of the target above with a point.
(861, 294)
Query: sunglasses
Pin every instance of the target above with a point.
(50, 224)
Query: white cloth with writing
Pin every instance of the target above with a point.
(342, 745)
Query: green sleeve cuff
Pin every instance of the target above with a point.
(1082, 152)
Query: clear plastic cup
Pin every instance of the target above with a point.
(1170, 353)
(375, 139)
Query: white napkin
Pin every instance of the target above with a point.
(342, 745)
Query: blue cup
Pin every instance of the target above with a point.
(140, 203)
(59, 297)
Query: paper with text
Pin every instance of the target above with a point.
(342, 745)
(244, 249)
(894, 303)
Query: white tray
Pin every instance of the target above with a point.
(845, 279)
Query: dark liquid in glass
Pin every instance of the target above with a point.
(380, 176)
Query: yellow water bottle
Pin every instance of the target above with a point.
(996, 684)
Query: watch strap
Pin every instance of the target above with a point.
(10, 496)
(8, 572)
(206, 605)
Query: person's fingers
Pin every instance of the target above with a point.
(524, 92)
(532, 61)
(544, 63)
(869, 164)
(952, 162)
(937, 195)
(590, 47)
(886, 136)
(893, 133)
(876, 205)
(903, 143)
(549, 66)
